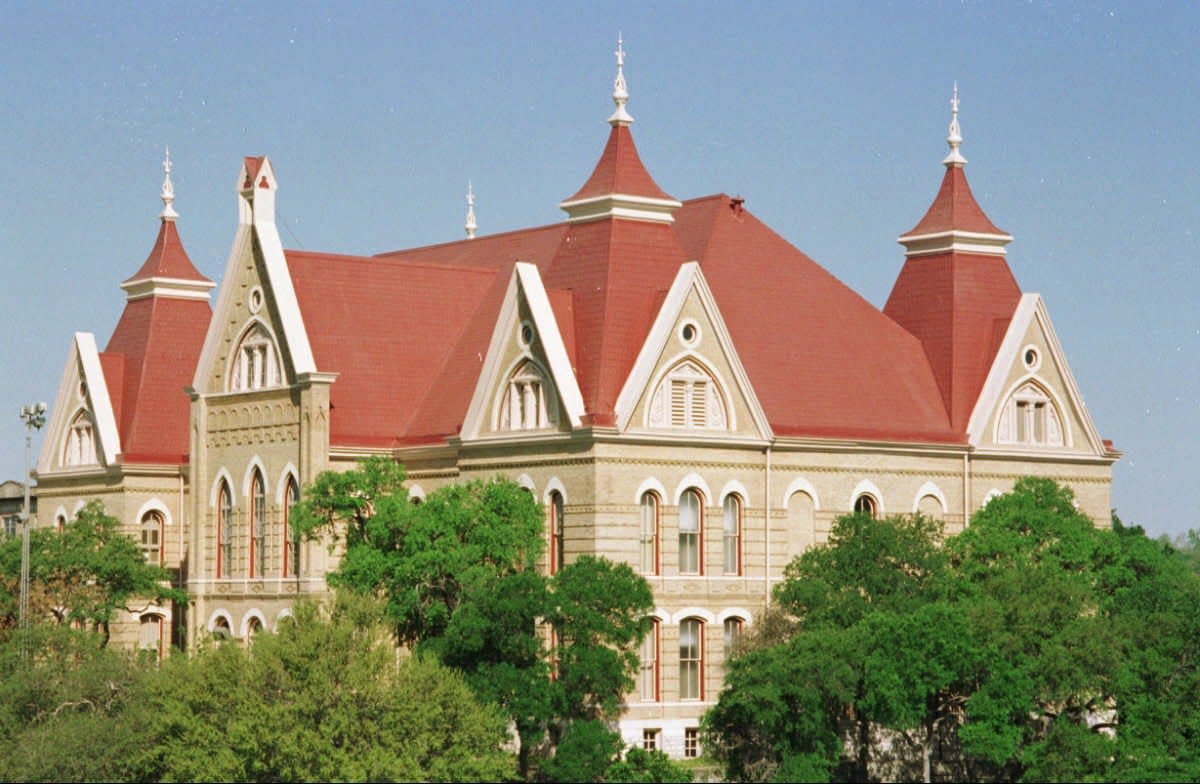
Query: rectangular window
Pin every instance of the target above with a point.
(691, 659)
(733, 534)
(650, 740)
(691, 742)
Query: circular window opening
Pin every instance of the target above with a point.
(256, 299)
(1031, 358)
(526, 333)
(690, 333)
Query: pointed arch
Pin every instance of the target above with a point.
(79, 445)
(221, 475)
(1032, 415)
(693, 481)
(554, 484)
(690, 395)
(867, 489)
(802, 485)
(255, 363)
(255, 462)
(289, 471)
(527, 400)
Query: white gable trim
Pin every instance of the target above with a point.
(525, 280)
(256, 216)
(83, 364)
(689, 277)
(995, 390)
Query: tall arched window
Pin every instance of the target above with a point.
(801, 518)
(650, 679)
(691, 523)
(256, 362)
(557, 552)
(80, 449)
(691, 659)
(649, 553)
(733, 633)
(291, 538)
(732, 534)
(224, 530)
(258, 523)
(152, 537)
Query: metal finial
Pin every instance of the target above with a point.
(168, 190)
(954, 137)
(470, 224)
(620, 89)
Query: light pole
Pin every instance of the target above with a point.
(34, 417)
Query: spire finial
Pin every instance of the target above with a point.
(168, 190)
(954, 138)
(620, 89)
(470, 224)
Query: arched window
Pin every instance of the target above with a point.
(224, 530)
(152, 537)
(81, 441)
(649, 554)
(732, 534)
(687, 397)
(1030, 417)
(528, 403)
(256, 362)
(60, 523)
(258, 523)
(930, 507)
(150, 635)
(866, 504)
(691, 541)
(253, 627)
(221, 630)
(691, 659)
(556, 531)
(291, 538)
(733, 632)
(650, 680)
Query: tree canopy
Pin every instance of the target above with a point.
(81, 575)
(1032, 646)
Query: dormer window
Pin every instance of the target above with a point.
(81, 441)
(256, 363)
(527, 403)
(1030, 417)
(688, 398)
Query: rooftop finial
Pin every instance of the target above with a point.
(470, 224)
(954, 138)
(620, 89)
(168, 190)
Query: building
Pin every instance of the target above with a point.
(682, 388)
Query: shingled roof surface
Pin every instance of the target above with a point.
(408, 331)
(151, 357)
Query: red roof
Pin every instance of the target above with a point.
(168, 259)
(954, 207)
(149, 359)
(620, 170)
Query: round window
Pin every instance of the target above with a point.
(1031, 358)
(526, 333)
(689, 333)
(256, 299)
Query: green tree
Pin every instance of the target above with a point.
(82, 575)
(324, 699)
(459, 580)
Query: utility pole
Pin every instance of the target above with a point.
(34, 417)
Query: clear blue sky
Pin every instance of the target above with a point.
(1081, 121)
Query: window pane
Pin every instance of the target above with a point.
(689, 533)
(648, 680)
(649, 542)
(690, 659)
(733, 534)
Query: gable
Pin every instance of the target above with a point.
(688, 380)
(526, 385)
(82, 432)
(1030, 402)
